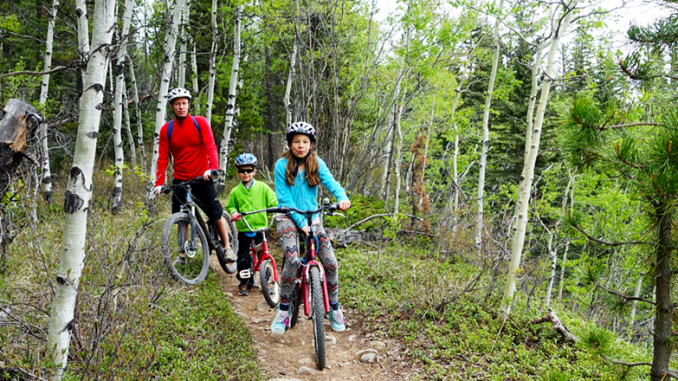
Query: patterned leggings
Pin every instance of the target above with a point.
(287, 230)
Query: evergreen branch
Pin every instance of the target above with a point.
(657, 188)
(58, 68)
(603, 128)
(624, 296)
(613, 244)
(618, 151)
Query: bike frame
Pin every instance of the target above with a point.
(189, 208)
(256, 259)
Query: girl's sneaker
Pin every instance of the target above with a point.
(281, 321)
(337, 320)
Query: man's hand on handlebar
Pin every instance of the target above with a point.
(235, 216)
(209, 173)
(344, 205)
(157, 190)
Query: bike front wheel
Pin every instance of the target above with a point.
(269, 287)
(228, 267)
(185, 249)
(318, 317)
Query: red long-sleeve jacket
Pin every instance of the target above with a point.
(192, 153)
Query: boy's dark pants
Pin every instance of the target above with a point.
(244, 259)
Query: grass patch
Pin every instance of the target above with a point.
(416, 298)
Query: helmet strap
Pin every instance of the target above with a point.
(298, 162)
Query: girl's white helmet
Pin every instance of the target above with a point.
(300, 128)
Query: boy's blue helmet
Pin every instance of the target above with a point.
(245, 159)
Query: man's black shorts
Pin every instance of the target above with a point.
(204, 195)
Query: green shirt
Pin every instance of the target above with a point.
(258, 196)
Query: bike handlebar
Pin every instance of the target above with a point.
(168, 188)
(286, 210)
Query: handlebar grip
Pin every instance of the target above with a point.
(236, 218)
(215, 173)
(165, 190)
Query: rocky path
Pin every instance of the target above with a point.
(351, 355)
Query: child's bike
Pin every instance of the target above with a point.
(185, 247)
(310, 286)
(262, 262)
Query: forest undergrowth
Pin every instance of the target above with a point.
(134, 322)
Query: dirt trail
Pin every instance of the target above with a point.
(284, 355)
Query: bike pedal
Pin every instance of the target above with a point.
(245, 274)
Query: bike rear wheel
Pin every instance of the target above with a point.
(318, 317)
(228, 267)
(269, 287)
(186, 259)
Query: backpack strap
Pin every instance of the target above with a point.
(170, 127)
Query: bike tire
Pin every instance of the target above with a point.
(318, 318)
(228, 267)
(269, 287)
(195, 266)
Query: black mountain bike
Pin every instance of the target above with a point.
(185, 247)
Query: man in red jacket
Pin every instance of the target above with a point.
(194, 154)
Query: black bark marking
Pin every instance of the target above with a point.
(47, 180)
(61, 280)
(72, 202)
(97, 87)
(79, 12)
(93, 134)
(99, 107)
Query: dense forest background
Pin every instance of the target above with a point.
(517, 138)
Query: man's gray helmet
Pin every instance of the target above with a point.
(178, 92)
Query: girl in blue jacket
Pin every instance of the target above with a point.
(297, 176)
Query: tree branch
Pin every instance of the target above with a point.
(58, 68)
(613, 244)
(623, 296)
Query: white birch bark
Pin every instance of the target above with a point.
(83, 34)
(553, 254)
(116, 197)
(213, 64)
(396, 159)
(44, 87)
(140, 125)
(230, 106)
(183, 39)
(288, 86)
(128, 125)
(482, 163)
(194, 67)
(522, 204)
(634, 304)
(79, 191)
(161, 108)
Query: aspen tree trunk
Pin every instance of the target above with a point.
(182, 45)
(79, 191)
(128, 126)
(137, 106)
(522, 204)
(194, 68)
(553, 254)
(83, 36)
(402, 68)
(213, 64)
(44, 87)
(663, 336)
(161, 108)
(288, 86)
(486, 134)
(634, 304)
(399, 146)
(118, 103)
(230, 107)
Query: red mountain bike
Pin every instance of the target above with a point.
(263, 262)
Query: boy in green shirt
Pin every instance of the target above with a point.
(247, 196)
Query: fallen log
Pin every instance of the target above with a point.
(19, 123)
(557, 325)
(345, 237)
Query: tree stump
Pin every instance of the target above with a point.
(19, 123)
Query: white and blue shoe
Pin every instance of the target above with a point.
(281, 321)
(337, 320)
